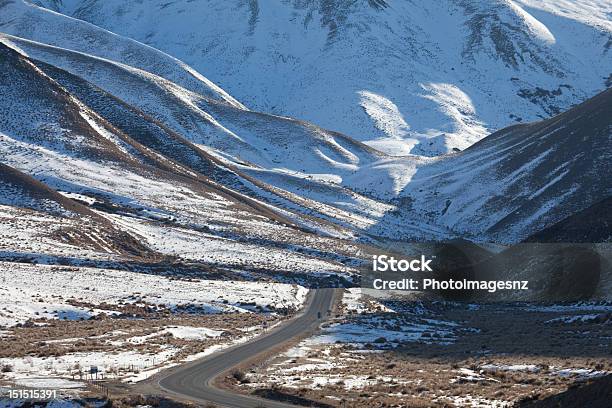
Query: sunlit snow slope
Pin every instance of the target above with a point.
(422, 76)
(109, 197)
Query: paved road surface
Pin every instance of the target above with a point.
(194, 381)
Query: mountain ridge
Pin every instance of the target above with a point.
(190, 174)
(408, 77)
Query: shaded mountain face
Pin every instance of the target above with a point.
(417, 77)
(549, 269)
(519, 180)
(593, 224)
(594, 393)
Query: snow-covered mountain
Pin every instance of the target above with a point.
(520, 180)
(189, 208)
(422, 76)
(173, 209)
(155, 151)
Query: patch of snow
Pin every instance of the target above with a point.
(578, 372)
(22, 286)
(512, 367)
(578, 318)
(49, 382)
(476, 402)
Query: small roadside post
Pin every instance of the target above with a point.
(93, 370)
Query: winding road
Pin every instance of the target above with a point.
(195, 381)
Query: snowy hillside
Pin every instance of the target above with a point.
(55, 29)
(168, 156)
(151, 216)
(174, 211)
(423, 76)
(521, 179)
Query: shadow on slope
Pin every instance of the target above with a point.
(20, 190)
(593, 224)
(515, 182)
(595, 393)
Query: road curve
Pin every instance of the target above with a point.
(195, 381)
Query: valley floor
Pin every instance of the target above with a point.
(412, 354)
(58, 322)
(371, 353)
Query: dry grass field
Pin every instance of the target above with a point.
(455, 355)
